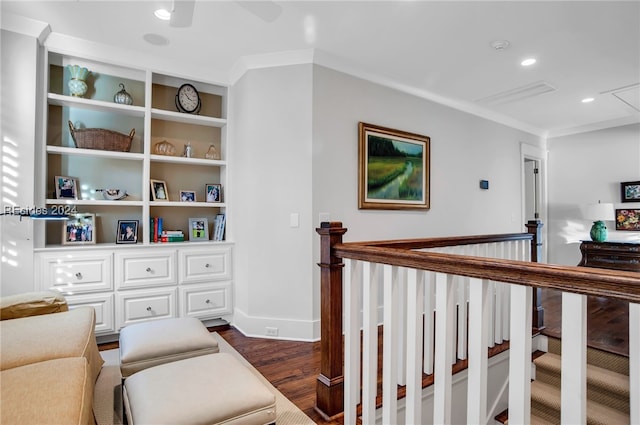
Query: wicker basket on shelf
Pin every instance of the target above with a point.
(99, 138)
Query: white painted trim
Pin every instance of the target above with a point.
(288, 329)
(618, 122)
(541, 155)
(269, 60)
(25, 26)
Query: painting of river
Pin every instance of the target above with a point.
(396, 170)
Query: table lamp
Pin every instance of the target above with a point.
(598, 213)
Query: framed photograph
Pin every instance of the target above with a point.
(159, 190)
(214, 192)
(198, 229)
(187, 196)
(393, 169)
(66, 187)
(79, 229)
(628, 220)
(127, 231)
(630, 191)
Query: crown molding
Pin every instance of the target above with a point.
(269, 60)
(602, 125)
(319, 57)
(26, 26)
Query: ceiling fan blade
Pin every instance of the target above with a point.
(182, 13)
(266, 10)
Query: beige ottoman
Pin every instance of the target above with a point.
(148, 344)
(212, 389)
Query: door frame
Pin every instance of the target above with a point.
(539, 155)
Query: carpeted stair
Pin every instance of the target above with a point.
(607, 387)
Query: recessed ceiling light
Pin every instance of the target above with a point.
(500, 44)
(155, 39)
(528, 62)
(162, 14)
(587, 100)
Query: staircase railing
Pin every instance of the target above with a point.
(405, 270)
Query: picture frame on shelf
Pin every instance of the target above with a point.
(213, 192)
(79, 229)
(127, 231)
(393, 169)
(187, 196)
(198, 229)
(628, 219)
(66, 187)
(159, 190)
(630, 191)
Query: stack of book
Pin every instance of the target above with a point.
(159, 234)
(218, 227)
(172, 236)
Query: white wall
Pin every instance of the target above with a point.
(19, 94)
(464, 150)
(271, 176)
(583, 169)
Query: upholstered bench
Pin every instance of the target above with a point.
(148, 344)
(211, 389)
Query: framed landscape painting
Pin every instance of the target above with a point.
(393, 169)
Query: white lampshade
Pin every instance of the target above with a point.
(599, 211)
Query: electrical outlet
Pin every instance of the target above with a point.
(272, 331)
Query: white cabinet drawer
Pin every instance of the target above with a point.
(76, 272)
(205, 301)
(145, 269)
(144, 305)
(102, 304)
(205, 265)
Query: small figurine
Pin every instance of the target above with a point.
(188, 150)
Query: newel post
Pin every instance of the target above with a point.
(330, 384)
(534, 227)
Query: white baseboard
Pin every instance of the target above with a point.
(287, 329)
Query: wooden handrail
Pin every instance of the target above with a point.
(446, 241)
(622, 285)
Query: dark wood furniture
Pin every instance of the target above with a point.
(611, 255)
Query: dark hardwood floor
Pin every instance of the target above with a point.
(607, 321)
(292, 366)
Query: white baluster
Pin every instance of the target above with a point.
(389, 351)
(520, 356)
(353, 283)
(445, 308)
(429, 307)
(573, 388)
(415, 297)
(370, 342)
(401, 329)
(478, 330)
(634, 361)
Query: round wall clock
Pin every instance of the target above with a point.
(188, 99)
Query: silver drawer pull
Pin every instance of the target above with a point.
(148, 308)
(148, 269)
(207, 265)
(78, 275)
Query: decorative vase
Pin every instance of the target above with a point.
(77, 85)
(123, 97)
(598, 231)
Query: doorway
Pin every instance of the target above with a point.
(534, 193)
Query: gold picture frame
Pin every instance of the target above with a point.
(393, 169)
